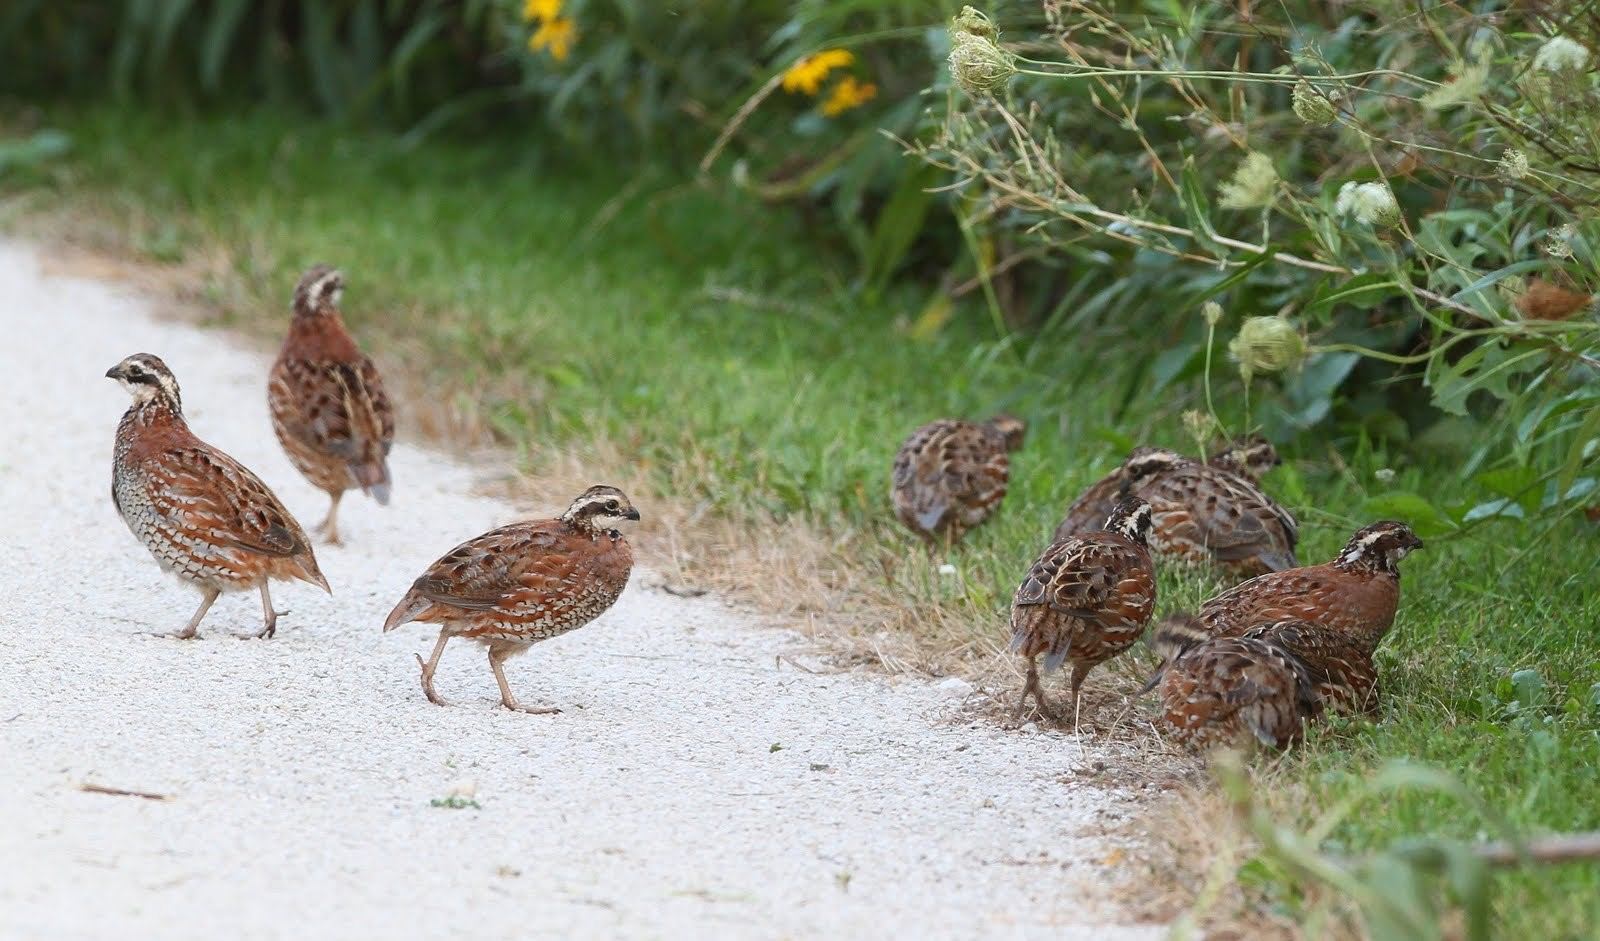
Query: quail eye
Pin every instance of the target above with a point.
(611, 505)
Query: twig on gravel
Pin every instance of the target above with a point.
(122, 792)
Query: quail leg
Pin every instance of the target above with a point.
(431, 665)
(268, 615)
(1033, 687)
(192, 630)
(497, 655)
(1079, 672)
(329, 527)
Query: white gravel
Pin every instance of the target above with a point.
(693, 785)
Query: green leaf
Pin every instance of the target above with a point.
(219, 34)
(1363, 290)
(1198, 210)
(898, 225)
(1580, 444)
(1519, 484)
(1413, 508)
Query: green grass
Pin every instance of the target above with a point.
(516, 280)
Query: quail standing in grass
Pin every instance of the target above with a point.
(203, 515)
(517, 585)
(1265, 684)
(1085, 600)
(329, 409)
(1357, 593)
(1250, 457)
(951, 475)
(1201, 514)
(1322, 623)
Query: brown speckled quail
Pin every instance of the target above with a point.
(1201, 514)
(1265, 684)
(1085, 600)
(329, 409)
(517, 585)
(950, 475)
(1250, 457)
(1356, 594)
(204, 517)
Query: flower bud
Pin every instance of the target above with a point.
(1312, 106)
(977, 63)
(1372, 203)
(1267, 345)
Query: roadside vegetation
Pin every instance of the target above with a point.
(750, 338)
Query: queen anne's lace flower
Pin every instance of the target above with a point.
(1560, 54)
(1372, 203)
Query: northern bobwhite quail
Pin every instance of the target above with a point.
(1356, 595)
(1085, 600)
(951, 475)
(1267, 684)
(329, 409)
(512, 587)
(1251, 457)
(1200, 514)
(205, 518)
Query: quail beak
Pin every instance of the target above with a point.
(111, 373)
(633, 515)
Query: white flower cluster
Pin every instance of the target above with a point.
(1372, 203)
(1560, 54)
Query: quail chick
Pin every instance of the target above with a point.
(1266, 684)
(512, 587)
(1200, 514)
(951, 475)
(203, 515)
(329, 409)
(1085, 600)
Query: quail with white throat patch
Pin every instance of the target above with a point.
(1356, 594)
(204, 516)
(1085, 600)
(520, 584)
(329, 408)
(1201, 513)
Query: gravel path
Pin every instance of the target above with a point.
(692, 785)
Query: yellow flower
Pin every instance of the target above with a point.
(543, 10)
(848, 94)
(807, 74)
(556, 35)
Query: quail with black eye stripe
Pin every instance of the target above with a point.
(517, 585)
(204, 516)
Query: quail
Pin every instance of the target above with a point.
(329, 409)
(520, 584)
(1357, 593)
(951, 475)
(1201, 514)
(204, 516)
(1265, 684)
(1086, 599)
(1251, 457)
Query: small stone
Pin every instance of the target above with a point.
(953, 686)
(465, 788)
